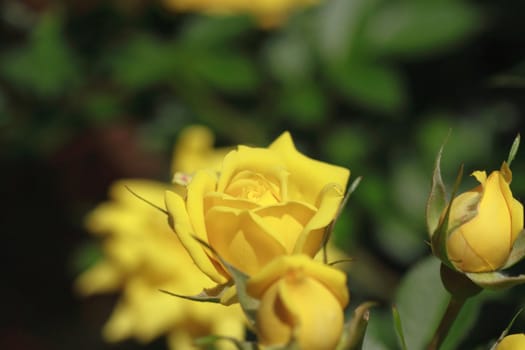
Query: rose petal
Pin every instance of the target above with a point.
(203, 182)
(238, 239)
(515, 208)
(331, 278)
(318, 317)
(258, 160)
(216, 199)
(311, 239)
(102, 278)
(285, 222)
(184, 230)
(307, 176)
(479, 233)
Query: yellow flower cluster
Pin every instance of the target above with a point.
(242, 227)
(268, 12)
(264, 211)
(142, 255)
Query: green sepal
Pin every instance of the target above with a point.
(399, 328)
(340, 261)
(457, 283)
(506, 330)
(211, 340)
(437, 198)
(438, 240)
(248, 304)
(513, 149)
(517, 252)
(210, 295)
(330, 228)
(495, 280)
(355, 330)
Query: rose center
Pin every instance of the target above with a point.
(254, 187)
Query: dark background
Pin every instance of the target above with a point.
(91, 92)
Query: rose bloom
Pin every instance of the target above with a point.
(483, 243)
(264, 203)
(142, 255)
(512, 342)
(299, 297)
(268, 12)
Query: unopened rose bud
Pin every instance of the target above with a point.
(301, 300)
(483, 243)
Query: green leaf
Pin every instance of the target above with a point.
(374, 86)
(399, 328)
(230, 72)
(45, 65)
(288, 58)
(144, 60)
(304, 105)
(495, 280)
(355, 330)
(517, 252)
(437, 198)
(513, 149)
(214, 32)
(339, 28)
(420, 27)
(421, 300)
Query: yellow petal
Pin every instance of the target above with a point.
(120, 324)
(481, 176)
(274, 326)
(285, 222)
(184, 230)
(305, 182)
(333, 279)
(202, 183)
(239, 240)
(318, 316)
(513, 206)
(215, 199)
(151, 190)
(101, 278)
(516, 215)
(512, 342)
(311, 238)
(257, 160)
(488, 234)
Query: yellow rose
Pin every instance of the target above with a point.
(264, 203)
(512, 342)
(302, 299)
(141, 256)
(483, 244)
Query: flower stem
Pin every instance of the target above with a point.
(453, 309)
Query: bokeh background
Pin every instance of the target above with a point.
(94, 91)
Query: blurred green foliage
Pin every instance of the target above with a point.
(373, 85)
